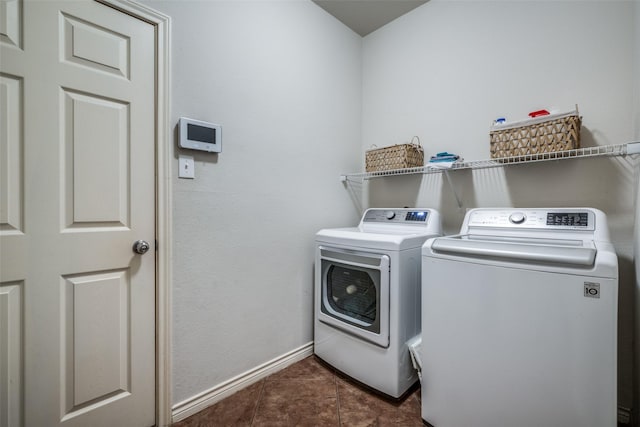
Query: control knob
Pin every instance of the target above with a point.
(390, 214)
(517, 217)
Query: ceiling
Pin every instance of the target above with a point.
(366, 16)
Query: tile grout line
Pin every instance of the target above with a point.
(335, 382)
(255, 409)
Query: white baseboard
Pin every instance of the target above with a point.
(197, 403)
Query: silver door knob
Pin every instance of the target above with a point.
(141, 247)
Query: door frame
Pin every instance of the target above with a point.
(162, 25)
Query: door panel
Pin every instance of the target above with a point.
(93, 46)
(11, 165)
(11, 23)
(78, 188)
(11, 327)
(11, 178)
(96, 323)
(12, 256)
(96, 143)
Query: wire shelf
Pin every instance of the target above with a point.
(598, 151)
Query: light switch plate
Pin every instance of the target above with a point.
(186, 167)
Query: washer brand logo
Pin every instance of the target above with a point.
(592, 290)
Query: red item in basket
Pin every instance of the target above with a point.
(538, 113)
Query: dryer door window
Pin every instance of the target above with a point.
(354, 293)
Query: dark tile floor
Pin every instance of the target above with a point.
(308, 393)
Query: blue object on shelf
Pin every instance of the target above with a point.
(444, 157)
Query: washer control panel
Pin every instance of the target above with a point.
(403, 216)
(517, 217)
(572, 219)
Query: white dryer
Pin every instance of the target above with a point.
(519, 321)
(367, 296)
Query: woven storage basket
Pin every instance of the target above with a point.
(547, 134)
(398, 156)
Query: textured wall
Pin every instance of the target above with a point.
(283, 79)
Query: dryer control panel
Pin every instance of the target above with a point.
(548, 219)
(403, 216)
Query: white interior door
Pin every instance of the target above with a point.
(77, 188)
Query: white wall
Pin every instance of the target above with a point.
(284, 80)
(448, 68)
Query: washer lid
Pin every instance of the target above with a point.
(576, 253)
(565, 256)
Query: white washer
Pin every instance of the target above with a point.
(367, 295)
(519, 321)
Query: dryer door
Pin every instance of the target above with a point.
(354, 293)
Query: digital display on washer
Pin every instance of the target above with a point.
(575, 219)
(416, 216)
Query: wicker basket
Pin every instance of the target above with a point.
(398, 156)
(547, 134)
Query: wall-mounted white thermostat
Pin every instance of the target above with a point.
(199, 135)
